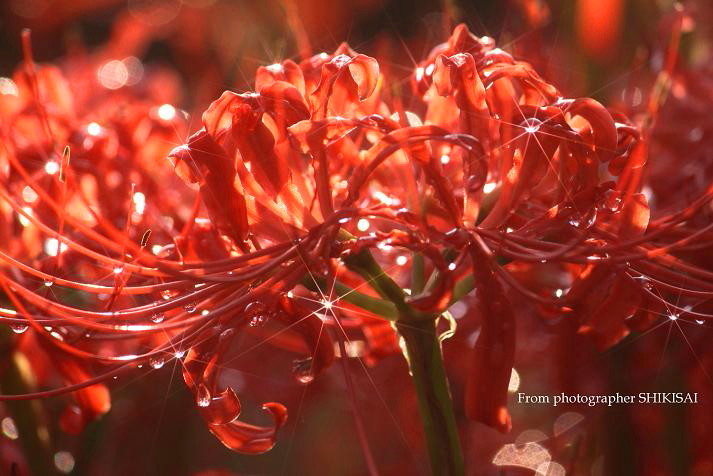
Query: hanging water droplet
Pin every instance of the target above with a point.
(302, 370)
(158, 318)
(19, 328)
(613, 201)
(226, 334)
(157, 361)
(258, 320)
(168, 294)
(202, 396)
(49, 283)
(700, 321)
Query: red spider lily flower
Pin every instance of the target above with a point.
(309, 192)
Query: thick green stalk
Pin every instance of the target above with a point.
(426, 363)
(434, 398)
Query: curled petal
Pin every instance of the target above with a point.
(311, 328)
(606, 315)
(601, 123)
(287, 71)
(221, 408)
(494, 352)
(205, 162)
(251, 439)
(344, 82)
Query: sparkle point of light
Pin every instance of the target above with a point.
(327, 304)
(166, 112)
(559, 293)
(489, 187)
(8, 87)
(401, 260)
(139, 200)
(445, 159)
(53, 247)
(51, 167)
(451, 266)
(363, 224)
(29, 195)
(118, 270)
(24, 221)
(531, 129)
(94, 129)
(514, 383)
(673, 317)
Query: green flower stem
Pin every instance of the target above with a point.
(379, 307)
(434, 398)
(423, 351)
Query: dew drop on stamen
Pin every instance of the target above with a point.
(167, 294)
(258, 320)
(19, 328)
(226, 334)
(157, 361)
(202, 396)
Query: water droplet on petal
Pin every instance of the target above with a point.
(19, 328)
(158, 318)
(190, 308)
(202, 396)
(258, 320)
(700, 321)
(168, 294)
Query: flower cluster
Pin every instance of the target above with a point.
(331, 211)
